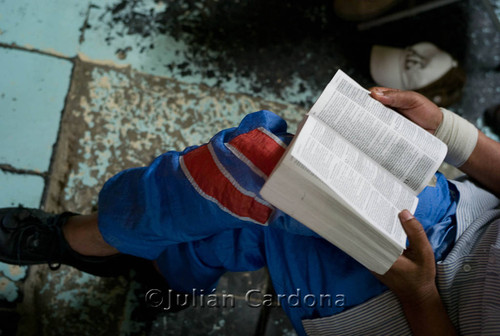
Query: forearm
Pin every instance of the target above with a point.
(427, 316)
(484, 163)
(470, 150)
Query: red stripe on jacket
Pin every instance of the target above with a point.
(269, 150)
(210, 180)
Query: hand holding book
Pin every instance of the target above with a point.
(412, 105)
(412, 279)
(352, 167)
(459, 134)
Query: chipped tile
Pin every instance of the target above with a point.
(33, 89)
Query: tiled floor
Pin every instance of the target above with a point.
(88, 88)
(45, 81)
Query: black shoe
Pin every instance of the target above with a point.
(32, 236)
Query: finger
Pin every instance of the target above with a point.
(382, 94)
(412, 105)
(379, 90)
(415, 232)
(397, 99)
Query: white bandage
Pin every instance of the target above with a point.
(460, 136)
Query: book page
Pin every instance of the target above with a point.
(360, 182)
(406, 150)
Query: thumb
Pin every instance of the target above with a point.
(397, 99)
(416, 233)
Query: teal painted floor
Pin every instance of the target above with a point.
(89, 88)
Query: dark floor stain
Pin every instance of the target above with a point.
(270, 41)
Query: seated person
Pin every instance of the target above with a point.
(197, 214)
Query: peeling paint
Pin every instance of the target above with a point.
(120, 118)
(8, 290)
(238, 48)
(72, 302)
(13, 272)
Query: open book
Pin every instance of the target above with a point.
(353, 165)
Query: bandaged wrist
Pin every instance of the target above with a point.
(460, 136)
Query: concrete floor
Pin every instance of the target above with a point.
(89, 88)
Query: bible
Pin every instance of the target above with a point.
(352, 166)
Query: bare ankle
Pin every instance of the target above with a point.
(83, 236)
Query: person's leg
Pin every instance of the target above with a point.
(32, 236)
(83, 236)
(180, 197)
(188, 196)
